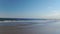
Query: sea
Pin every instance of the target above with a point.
(33, 26)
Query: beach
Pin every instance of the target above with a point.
(7, 30)
(31, 27)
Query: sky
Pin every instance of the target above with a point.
(30, 9)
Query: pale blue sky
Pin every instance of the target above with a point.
(30, 8)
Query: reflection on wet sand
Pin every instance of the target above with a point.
(43, 27)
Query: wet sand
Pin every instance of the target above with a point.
(30, 28)
(17, 28)
(8, 30)
(39, 28)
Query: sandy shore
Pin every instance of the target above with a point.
(8, 30)
(30, 28)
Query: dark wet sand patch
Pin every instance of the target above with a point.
(8, 30)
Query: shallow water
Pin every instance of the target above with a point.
(31, 27)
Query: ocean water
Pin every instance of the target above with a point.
(34, 26)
